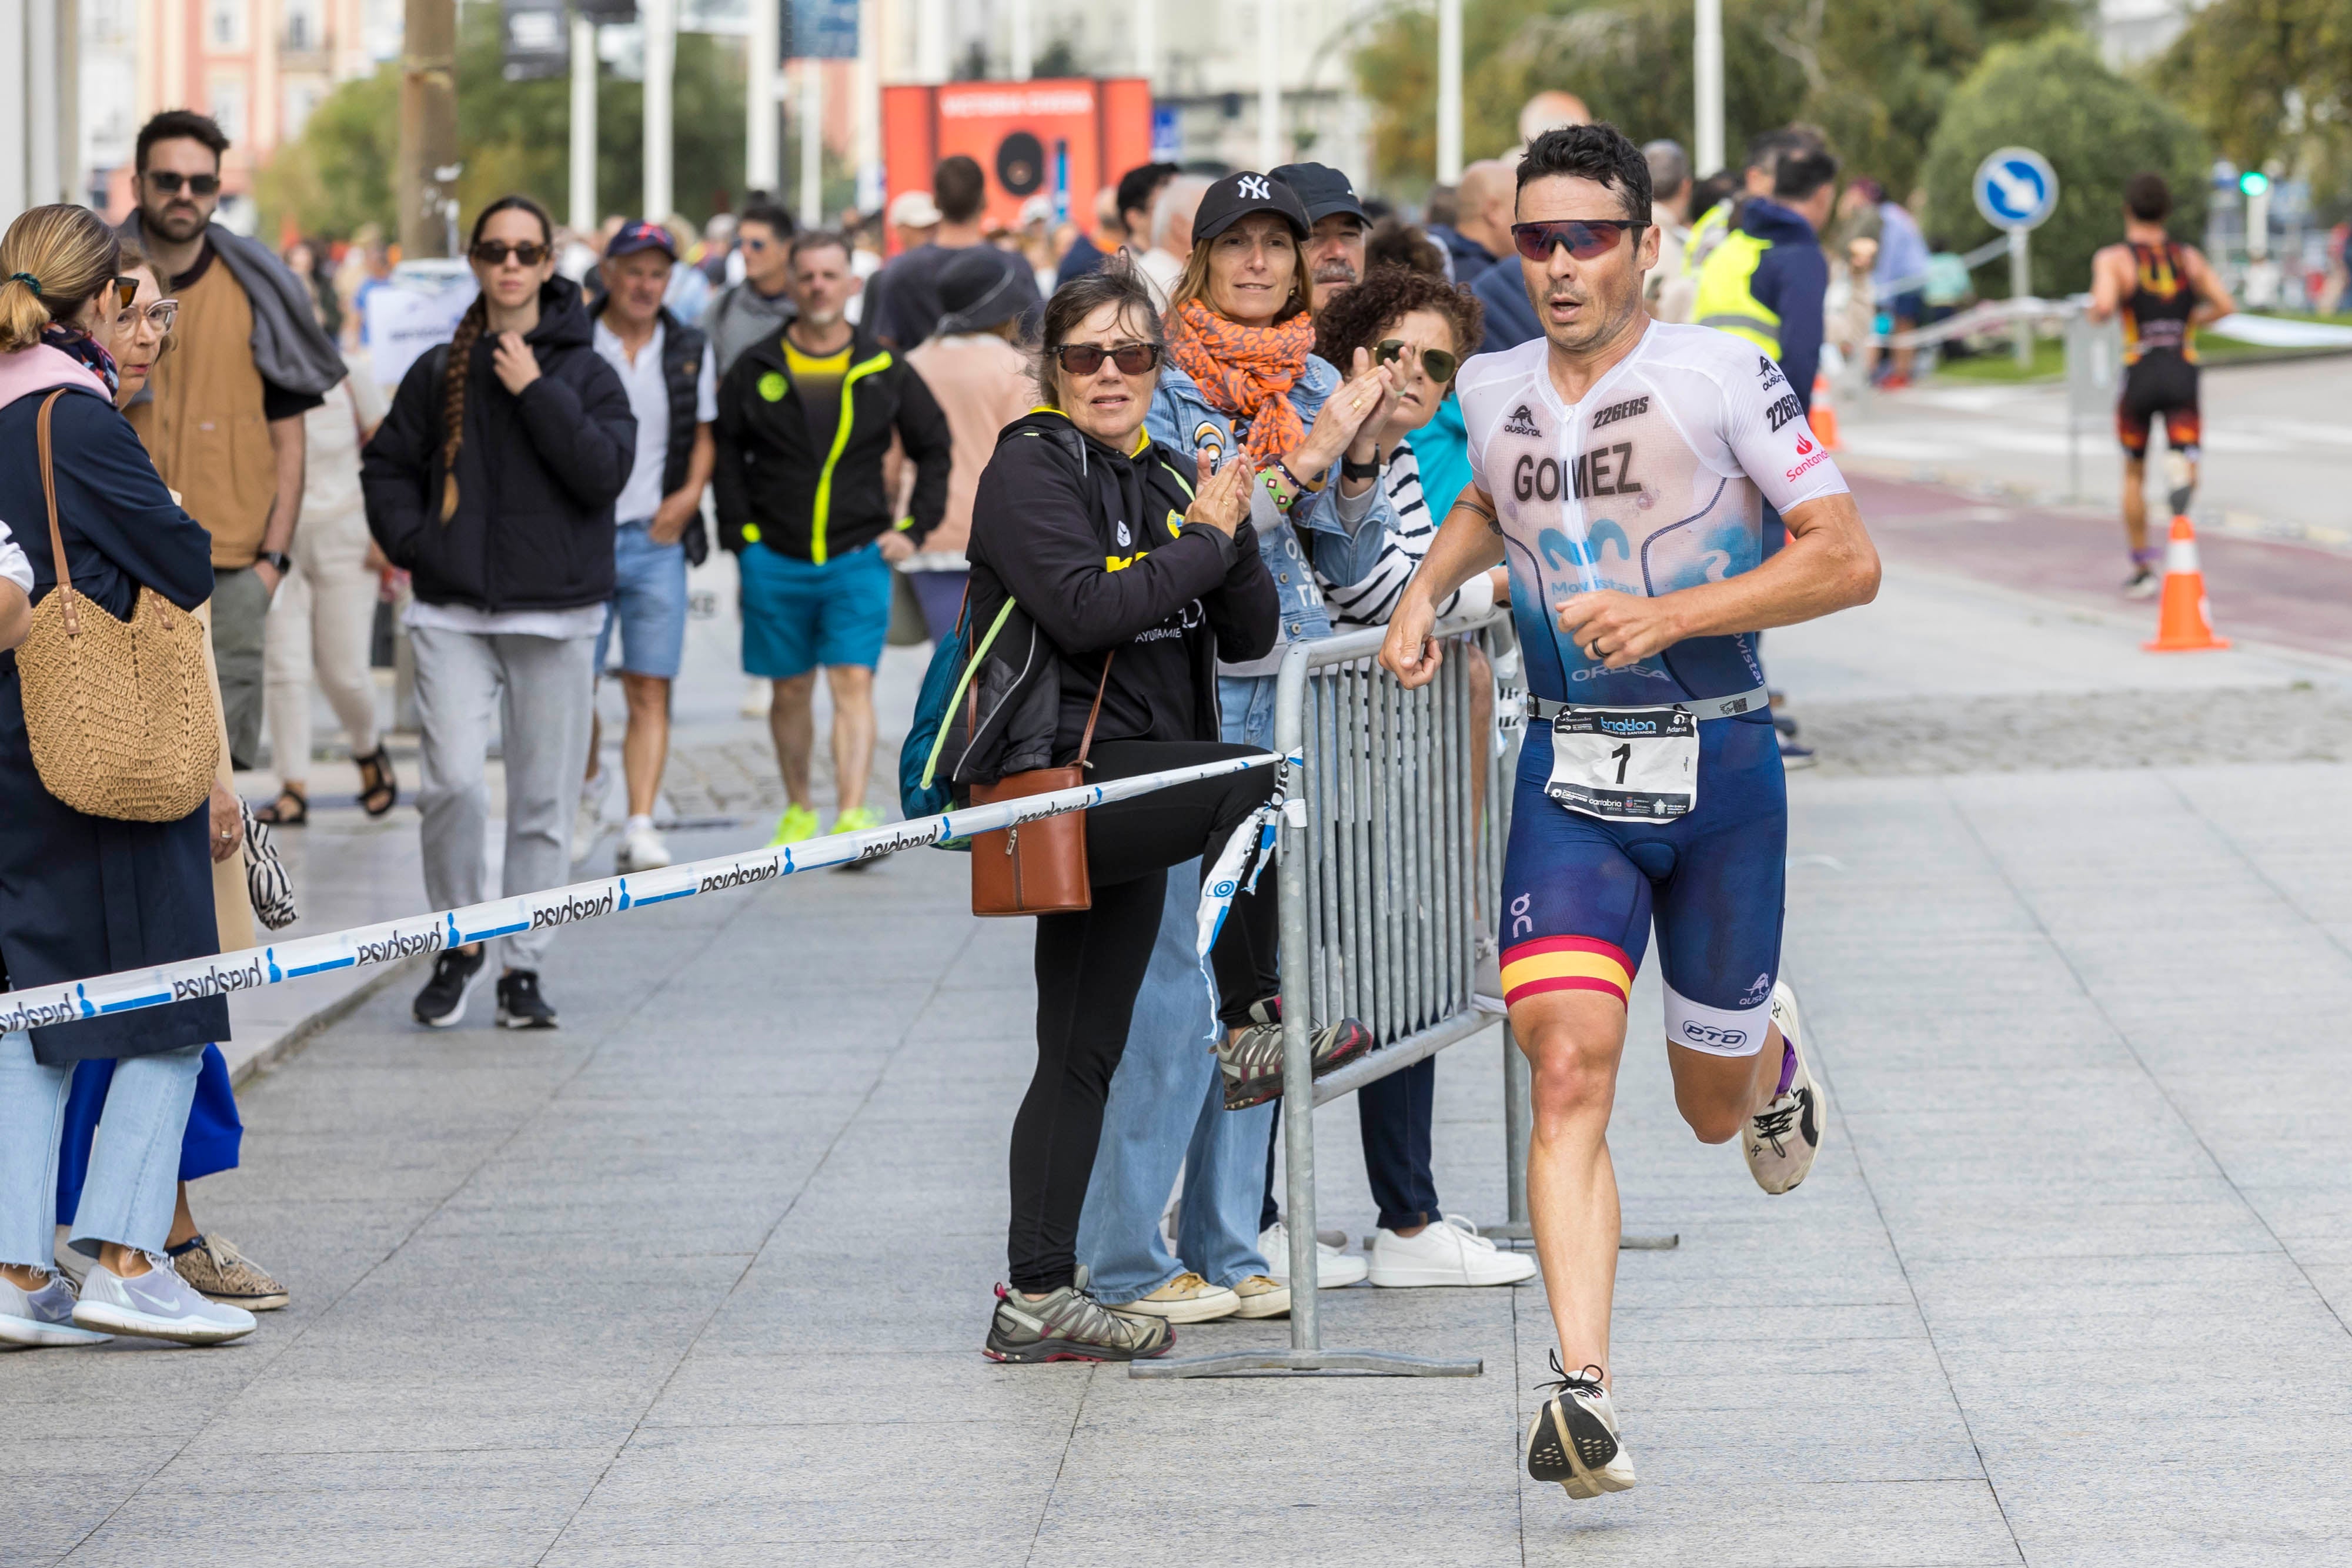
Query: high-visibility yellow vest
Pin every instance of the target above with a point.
(1726, 301)
(1705, 235)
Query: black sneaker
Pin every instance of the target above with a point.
(442, 1002)
(520, 1004)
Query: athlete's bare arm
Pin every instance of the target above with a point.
(2217, 302)
(2111, 281)
(1467, 544)
(1828, 565)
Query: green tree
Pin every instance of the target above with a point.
(514, 136)
(2269, 79)
(2056, 96)
(1876, 77)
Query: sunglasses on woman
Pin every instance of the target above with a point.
(494, 253)
(169, 183)
(1436, 363)
(1086, 359)
(126, 290)
(1585, 237)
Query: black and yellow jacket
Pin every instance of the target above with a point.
(813, 502)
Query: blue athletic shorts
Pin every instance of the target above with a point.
(648, 604)
(798, 614)
(1578, 893)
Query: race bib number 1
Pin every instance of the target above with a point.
(1625, 764)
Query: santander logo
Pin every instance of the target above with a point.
(1803, 445)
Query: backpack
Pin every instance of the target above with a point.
(923, 784)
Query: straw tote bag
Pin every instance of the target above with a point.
(119, 712)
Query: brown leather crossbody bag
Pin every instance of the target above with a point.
(1040, 867)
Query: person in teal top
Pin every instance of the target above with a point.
(1444, 449)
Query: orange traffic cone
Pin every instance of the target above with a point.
(2185, 624)
(1823, 417)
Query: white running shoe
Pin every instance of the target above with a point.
(1447, 1251)
(157, 1304)
(1573, 1439)
(641, 848)
(1333, 1266)
(30, 1319)
(1781, 1139)
(1186, 1299)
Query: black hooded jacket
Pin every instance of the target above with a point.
(536, 475)
(1092, 546)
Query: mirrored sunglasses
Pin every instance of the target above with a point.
(1585, 237)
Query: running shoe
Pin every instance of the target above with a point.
(1573, 1439)
(1252, 1062)
(2181, 483)
(32, 1319)
(455, 972)
(520, 1004)
(157, 1304)
(1335, 1266)
(798, 823)
(1070, 1325)
(857, 819)
(1781, 1139)
(216, 1269)
(1447, 1251)
(641, 848)
(1186, 1299)
(2144, 582)
(1262, 1296)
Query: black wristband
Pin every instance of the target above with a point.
(279, 561)
(1351, 469)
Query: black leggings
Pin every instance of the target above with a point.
(1090, 965)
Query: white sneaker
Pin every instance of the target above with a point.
(1573, 1439)
(641, 848)
(73, 1265)
(157, 1304)
(1448, 1252)
(30, 1319)
(1334, 1268)
(1186, 1299)
(1781, 1139)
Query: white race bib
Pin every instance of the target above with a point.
(1625, 764)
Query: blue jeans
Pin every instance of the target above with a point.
(1167, 1107)
(134, 1162)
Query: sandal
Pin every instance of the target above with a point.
(280, 814)
(379, 785)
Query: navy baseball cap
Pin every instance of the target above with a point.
(1324, 190)
(637, 234)
(1236, 196)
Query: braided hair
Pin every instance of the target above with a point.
(470, 327)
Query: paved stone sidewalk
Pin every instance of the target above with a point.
(701, 1278)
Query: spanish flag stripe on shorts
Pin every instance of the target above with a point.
(1565, 964)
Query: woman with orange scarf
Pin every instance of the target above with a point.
(1239, 384)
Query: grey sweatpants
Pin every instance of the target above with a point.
(537, 692)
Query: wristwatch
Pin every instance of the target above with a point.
(279, 561)
(1351, 469)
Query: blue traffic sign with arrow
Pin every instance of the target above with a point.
(2016, 188)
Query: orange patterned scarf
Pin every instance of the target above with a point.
(1245, 373)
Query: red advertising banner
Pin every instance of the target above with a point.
(1064, 139)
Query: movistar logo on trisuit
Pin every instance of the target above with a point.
(1521, 422)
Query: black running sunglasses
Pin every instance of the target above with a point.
(169, 183)
(1086, 359)
(1585, 237)
(493, 253)
(1440, 364)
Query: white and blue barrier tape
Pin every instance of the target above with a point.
(73, 1000)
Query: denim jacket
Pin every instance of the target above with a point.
(1318, 536)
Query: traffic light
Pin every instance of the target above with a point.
(2253, 182)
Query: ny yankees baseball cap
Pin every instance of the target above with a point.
(1236, 196)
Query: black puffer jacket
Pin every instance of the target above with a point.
(1092, 546)
(536, 475)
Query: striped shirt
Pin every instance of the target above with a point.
(1372, 599)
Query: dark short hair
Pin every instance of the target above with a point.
(1139, 184)
(2147, 198)
(1600, 153)
(817, 239)
(1116, 282)
(1800, 175)
(958, 188)
(174, 124)
(1356, 316)
(1395, 242)
(777, 221)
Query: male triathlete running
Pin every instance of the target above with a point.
(1620, 466)
(2165, 291)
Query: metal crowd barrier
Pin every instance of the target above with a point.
(1387, 851)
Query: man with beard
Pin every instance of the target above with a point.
(1334, 252)
(222, 416)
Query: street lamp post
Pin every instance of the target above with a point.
(582, 203)
(762, 165)
(1269, 84)
(661, 55)
(1707, 73)
(1449, 92)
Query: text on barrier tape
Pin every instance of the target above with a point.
(72, 1000)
